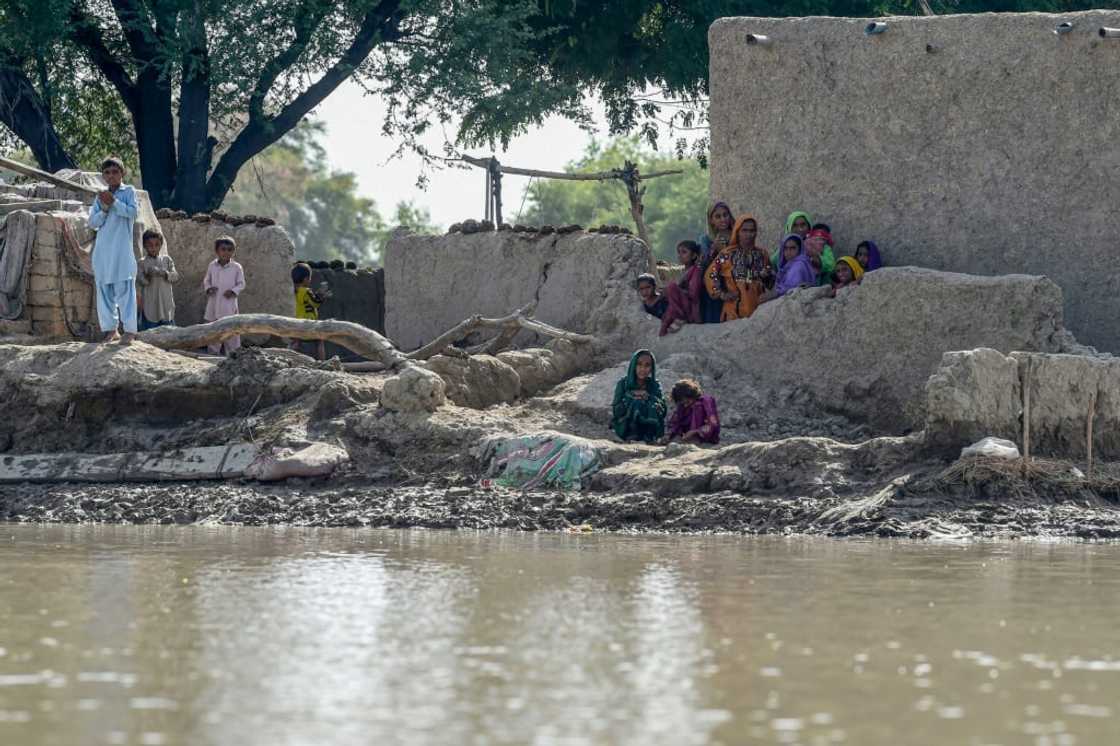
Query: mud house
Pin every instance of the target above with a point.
(971, 143)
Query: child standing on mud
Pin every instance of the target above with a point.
(114, 262)
(307, 303)
(638, 409)
(154, 275)
(224, 281)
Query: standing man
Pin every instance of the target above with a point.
(114, 261)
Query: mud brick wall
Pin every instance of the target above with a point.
(55, 293)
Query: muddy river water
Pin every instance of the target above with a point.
(228, 635)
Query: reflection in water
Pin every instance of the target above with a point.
(216, 635)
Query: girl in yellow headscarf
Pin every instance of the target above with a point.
(740, 273)
(847, 272)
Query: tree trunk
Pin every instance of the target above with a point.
(25, 113)
(354, 337)
(155, 136)
(195, 144)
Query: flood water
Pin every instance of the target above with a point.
(225, 635)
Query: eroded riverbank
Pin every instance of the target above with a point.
(931, 503)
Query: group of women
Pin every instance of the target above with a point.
(728, 275)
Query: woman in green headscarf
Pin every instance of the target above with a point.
(798, 222)
(638, 409)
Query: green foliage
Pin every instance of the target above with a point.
(321, 208)
(675, 206)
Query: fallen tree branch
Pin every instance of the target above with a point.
(354, 337)
(509, 325)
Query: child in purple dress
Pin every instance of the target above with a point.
(696, 418)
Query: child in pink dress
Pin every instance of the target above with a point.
(224, 281)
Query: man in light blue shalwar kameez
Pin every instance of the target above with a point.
(114, 260)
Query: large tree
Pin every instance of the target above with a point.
(208, 84)
(202, 86)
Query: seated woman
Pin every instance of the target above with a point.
(696, 417)
(794, 271)
(740, 273)
(720, 222)
(685, 294)
(638, 409)
(847, 272)
(819, 251)
(653, 302)
(867, 254)
(798, 222)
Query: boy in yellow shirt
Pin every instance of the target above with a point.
(307, 302)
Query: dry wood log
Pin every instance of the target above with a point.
(20, 168)
(354, 337)
(509, 325)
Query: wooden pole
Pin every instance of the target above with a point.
(20, 168)
(496, 189)
(1027, 410)
(1089, 431)
(597, 176)
(489, 197)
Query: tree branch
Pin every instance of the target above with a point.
(380, 24)
(25, 113)
(137, 28)
(354, 337)
(86, 33)
(308, 17)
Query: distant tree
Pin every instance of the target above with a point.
(292, 182)
(674, 205)
(416, 219)
(322, 210)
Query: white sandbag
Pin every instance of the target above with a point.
(992, 448)
(316, 460)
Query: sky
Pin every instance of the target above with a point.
(354, 143)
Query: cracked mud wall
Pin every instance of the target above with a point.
(995, 151)
(579, 280)
(980, 392)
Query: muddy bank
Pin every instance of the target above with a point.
(919, 510)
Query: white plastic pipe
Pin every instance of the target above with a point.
(875, 27)
(758, 39)
(1110, 33)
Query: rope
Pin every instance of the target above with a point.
(524, 194)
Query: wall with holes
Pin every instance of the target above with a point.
(986, 144)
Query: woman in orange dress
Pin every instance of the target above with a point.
(740, 273)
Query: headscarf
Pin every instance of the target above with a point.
(734, 242)
(795, 273)
(851, 261)
(794, 216)
(716, 206)
(874, 261)
(652, 386)
(782, 249)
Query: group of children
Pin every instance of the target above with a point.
(727, 275)
(136, 296)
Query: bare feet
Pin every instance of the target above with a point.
(111, 337)
(676, 326)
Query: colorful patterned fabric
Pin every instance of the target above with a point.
(540, 460)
